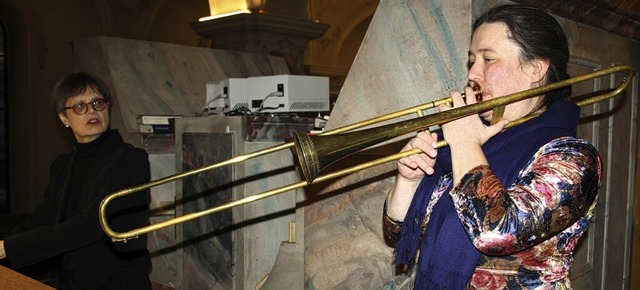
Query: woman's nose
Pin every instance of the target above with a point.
(475, 73)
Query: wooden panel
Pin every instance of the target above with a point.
(587, 257)
(12, 280)
(619, 177)
(602, 260)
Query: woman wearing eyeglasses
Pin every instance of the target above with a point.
(65, 226)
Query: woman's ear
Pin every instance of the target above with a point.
(63, 119)
(539, 70)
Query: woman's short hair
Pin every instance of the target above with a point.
(539, 36)
(76, 84)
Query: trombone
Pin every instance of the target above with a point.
(316, 152)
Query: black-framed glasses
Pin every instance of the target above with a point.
(81, 108)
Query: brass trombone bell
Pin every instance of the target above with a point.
(316, 152)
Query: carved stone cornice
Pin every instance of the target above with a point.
(599, 14)
(263, 33)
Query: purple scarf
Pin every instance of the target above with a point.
(447, 257)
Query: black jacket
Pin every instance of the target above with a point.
(90, 260)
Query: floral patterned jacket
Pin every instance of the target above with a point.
(527, 232)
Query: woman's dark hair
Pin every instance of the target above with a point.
(539, 36)
(76, 84)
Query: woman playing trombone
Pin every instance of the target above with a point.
(499, 208)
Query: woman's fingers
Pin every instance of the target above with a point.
(417, 165)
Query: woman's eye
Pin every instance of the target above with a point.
(470, 64)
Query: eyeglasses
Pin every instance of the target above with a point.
(81, 108)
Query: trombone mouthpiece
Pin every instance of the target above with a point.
(477, 92)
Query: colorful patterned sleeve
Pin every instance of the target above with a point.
(390, 227)
(554, 190)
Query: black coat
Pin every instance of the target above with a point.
(90, 260)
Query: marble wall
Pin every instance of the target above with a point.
(244, 241)
(152, 78)
(208, 247)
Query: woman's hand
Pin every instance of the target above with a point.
(416, 166)
(470, 129)
(3, 254)
(411, 170)
(465, 136)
